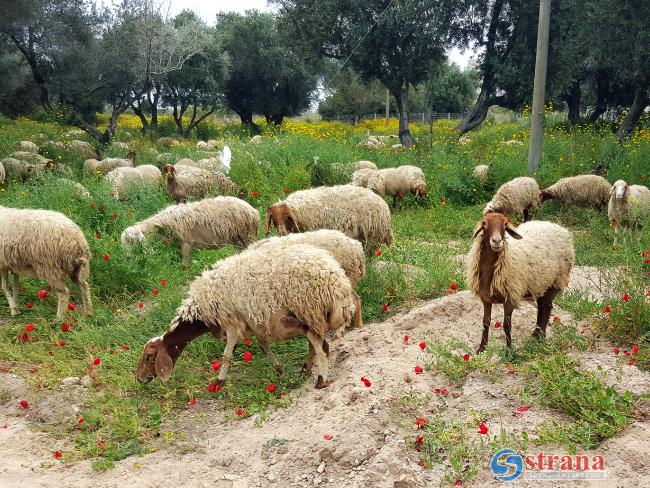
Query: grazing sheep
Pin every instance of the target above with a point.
(46, 245)
(347, 252)
(481, 172)
(519, 196)
(83, 149)
(582, 190)
(208, 164)
(105, 166)
(364, 165)
(357, 212)
(397, 147)
(123, 177)
(20, 169)
(532, 263)
(206, 224)
(274, 294)
(256, 139)
(30, 157)
(168, 142)
(204, 145)
(628, 204)
(28, 146)
(184, 182)
(397, 182)
(75, 186)
(361, 176)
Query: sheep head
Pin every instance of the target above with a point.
(282, 218)
(494, 227)
(619, 189)
(130, 236)
(419, 188)
(168, 170)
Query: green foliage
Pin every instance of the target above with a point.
(451, 90)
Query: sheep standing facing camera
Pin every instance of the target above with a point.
(519, 196)
(582, 190)
(274, 294)
(46, 245)
(508, 265)
(628, 205)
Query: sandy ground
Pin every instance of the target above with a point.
(372, 429)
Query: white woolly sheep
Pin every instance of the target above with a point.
(364, 165)
(206, 224)
(397, 182)
(123, 177)
(83, 149)
(348, 253)
(257, 139)
(481, 172)
(30, 157)
(168, 142)
(21, 169)
(105, 166)
(46, 245)
(185, 182)
(519, 196)
(357, 212)
(532, 263)
(208, 164)
(28, 146)
(628, 204)
(581, 190)
(273, 294)
(361, 176)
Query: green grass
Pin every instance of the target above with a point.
(123, 417)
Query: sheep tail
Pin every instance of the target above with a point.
(80, 269)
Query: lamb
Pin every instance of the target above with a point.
(28, 146)
(628, 204)
(105, 166)
(206, 224)
(581, 190)
(533, 263)
(397, 182)
(46, 245)
(83, 149)
(357, 212)
(361, 176)
(168, 142)
(269, 293)
(187, 181)
(481, 172)
(364, 165)
(123, 177)
(518, 196)
(347, 252)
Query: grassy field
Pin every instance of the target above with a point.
(135, 297)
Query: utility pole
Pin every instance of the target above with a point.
(537, 112)
(387, 106)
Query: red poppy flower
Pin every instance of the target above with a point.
(23, 404)
(29, 305)
(509, 221)
(155, 292)
(458, 483)
(635, 349)
(420, 422)
(465, 357)
(23, 337)
(217, 388)
(210, 387)
(366, 382)
(248, 356)
(555, 318)
(92, 205)
(384, 308)
(125, 347)
(645, 254)
(523, 409)
(247, 341)
(57, 454)
(421, 462)
(422, 345)
(100, 443)
(97, 361)
(612, 223)
(286, 190)
(482, 429)
(406, 339)
(378, 252)
(62, 342)
(443, 202)
(607, 309)
(81, 420)
(628, 354)
(444, 392)
(497, 325)
(616, 350)
(453, 286)
(239, 411)
(632, 361)
(216, 365)
(42, 294)
(626, 297)
(328, 437)
(418, 369)
(72, 306)
(437, 391)
(419, 440)
(270, 388)
(114, 216)
(191, 402)
(98, 235)
(165, 242)
(255, 194)
(30, 327)
(163, 282)
(106, 257)
(140, 305)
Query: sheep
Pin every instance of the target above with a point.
(30, 157)
(206, 224)
(481, 172)
(168, 142)
(361, 176)
(532, 263)
(397, 182)
(28, 146)
(105, 166)
(75, 186)
(187, 181)
(204, 145)
(397, 147)
(20, 169)
(46, 245)
(83, 149)
(357, 212)
(627, 205)
(125, 176)
(208, 164)
(518, 196)
(581, 190)
(364, 165)
(271, 293)
(256, 139)
(347, 252)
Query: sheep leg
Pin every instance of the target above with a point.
(358, 321)
(321, 358)
(269, 353)
(231, 341)
(527, 214)
(186, 248)
(507, 322)
(394, 202)
(86, 302)
(309, 361)
(64, 298)
(544, 308)
(13, 302)
(487, 317)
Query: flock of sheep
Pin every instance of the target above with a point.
(302, 283)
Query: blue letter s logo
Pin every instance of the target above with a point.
(501, 467)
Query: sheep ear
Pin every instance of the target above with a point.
(480, 225)
(293, 218)
(164, 364)
(511, 230)
(267, 222)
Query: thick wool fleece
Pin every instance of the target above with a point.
(584, 190)
(635, 204)
(361, 176)
(527, 268)
(364, 165)
(395, 181)
(42, 244)
(208, 223)
(105, 166)
(357, 212)
(247, 289)
(347, 252)
(514, 196)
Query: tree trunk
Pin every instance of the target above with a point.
(143, 119)
(402, 98)
(37, 75)
(573, 101)
(602, 94)
(247, 120)
(478, 113)
(277, 119)
(626, 129)
(196, 122)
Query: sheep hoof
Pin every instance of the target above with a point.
(538, 334)
(15, 312)
(480, 349)
(321, 383)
